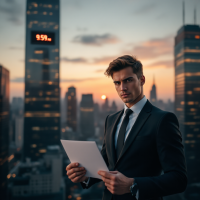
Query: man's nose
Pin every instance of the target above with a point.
(123, 86)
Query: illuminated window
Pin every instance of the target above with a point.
(29, 76)
(189, 92)
(190, 135)
(50, 13)
(44, 13)
(38, 52)
(69, 97)
(179, 109)
(192, 109)
(87, 109)
(197, 37)
(48, 93)
(33, 145)
(189, 141)
(56, 27)
(190, 103)
(35, 128)
(42, 150)
(35, 12)
(190, 123)
(56, 58)
(28, 12)
(50, 6)
(197, 89)
(27, 93)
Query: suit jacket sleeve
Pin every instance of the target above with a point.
(172, 159)
(104, 155)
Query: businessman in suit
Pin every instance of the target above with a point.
(142, 144)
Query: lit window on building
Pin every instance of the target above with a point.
(44, 13)
(190, 135)
(50, 13)
(34, 145)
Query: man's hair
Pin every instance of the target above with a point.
(124, 62)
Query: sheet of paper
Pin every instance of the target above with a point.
(87, 154)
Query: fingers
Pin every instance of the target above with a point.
(71, 165)
(106, 174)
(77, 178)
(74, 170)
(76, 174)
(113, 172)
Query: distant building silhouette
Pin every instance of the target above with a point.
(87, 116)
(113, 107)
(71, 103)
(187, 96)
(105, 105)
(42, 93)
(153, 95)
(4, 130)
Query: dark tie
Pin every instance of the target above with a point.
(122, 132)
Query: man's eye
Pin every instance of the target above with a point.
(117, 83)
(128, 80)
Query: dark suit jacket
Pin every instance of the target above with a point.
(153, 146)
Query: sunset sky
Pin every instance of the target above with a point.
(93, 33)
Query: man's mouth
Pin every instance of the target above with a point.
(125, 95)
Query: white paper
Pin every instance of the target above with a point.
(87, 154)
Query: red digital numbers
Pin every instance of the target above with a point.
(43, 37)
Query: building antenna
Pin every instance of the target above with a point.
(195, 16)
(183, 12)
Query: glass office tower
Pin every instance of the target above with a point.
(4, 131)
(187, 101)
(42, 94)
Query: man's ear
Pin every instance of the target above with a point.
(142, 79)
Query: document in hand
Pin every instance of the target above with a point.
(87, 154)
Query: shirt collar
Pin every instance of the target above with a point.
(136, 108)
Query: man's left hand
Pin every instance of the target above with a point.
(116, 182)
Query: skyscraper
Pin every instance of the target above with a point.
(42, 94)
(4, 130)
(187, 104)
(87, 116)
(153, 96)
(71, 108)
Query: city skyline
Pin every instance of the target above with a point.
(92, 44)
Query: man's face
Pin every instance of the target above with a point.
(128, 86)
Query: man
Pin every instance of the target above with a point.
(140, 142)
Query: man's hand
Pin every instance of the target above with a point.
(116, 182)
(76, 174)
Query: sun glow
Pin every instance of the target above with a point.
(103, 97)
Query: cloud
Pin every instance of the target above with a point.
(13, 10)
(105, 60)
(159, 64)
(100, 71)
(79, 80)
(96, 40)
(74, 60)
(16, 48)
(18, 80)
(82, 29)
(153, 48)
(145, 8)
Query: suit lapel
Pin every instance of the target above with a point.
(141, 119)
(112, 137)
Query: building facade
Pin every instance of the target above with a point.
(187, 101)
(38, 180)
(4, 130)
(42, 94)
(71, 103)
(87, 116)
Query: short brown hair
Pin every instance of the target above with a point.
(123, 62)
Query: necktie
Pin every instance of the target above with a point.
(122, 131)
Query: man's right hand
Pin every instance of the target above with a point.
(76, 174)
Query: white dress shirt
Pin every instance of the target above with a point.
(136, 108)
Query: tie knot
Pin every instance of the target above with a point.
(128, 112)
